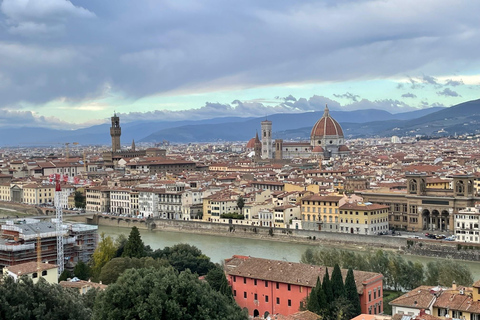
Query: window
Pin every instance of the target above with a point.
(289, 288)
(245, 294)
(255, 297)
(44, 272)
(35, 275)
(266, 298)
(289, 302)
(278, 300)
(234, 293)
(369, 296)
(244, 280)
(277, 285)
(255, 282)
(266, 284)
(234, 279)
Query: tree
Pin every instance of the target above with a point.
(80, 200)
(338, 288)
(217, 280)
(163, 294)
(113, 269)
(65, 275)
(240, 203)
(104, 252)
(184, 256)
(445, 272)
(81, 270)
(134, 248)
(327, 287)
(25, 300)
(351, 295)
(120, 242)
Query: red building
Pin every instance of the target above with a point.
(281, 287)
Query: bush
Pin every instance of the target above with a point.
(232, 216)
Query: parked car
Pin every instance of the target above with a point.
(451, 238)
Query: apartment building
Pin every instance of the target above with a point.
(467, 224)
(320, 212)
(363, 218)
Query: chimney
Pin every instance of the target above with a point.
(454, 285)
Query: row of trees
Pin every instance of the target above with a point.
(397, 271)
(334, 299)
(143, 284)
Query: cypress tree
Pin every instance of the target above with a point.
(134, 247)
(352, 295)
(312, 302)
(327, 287)
(338, 287)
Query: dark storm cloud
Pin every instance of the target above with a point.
(447, 92)
(409, 95)
(76, 49)
(348, 95)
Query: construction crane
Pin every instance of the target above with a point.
(59, 226)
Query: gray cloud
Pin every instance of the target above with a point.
(347, 95)
(409, 95)
(429, 80)
(58, 48)
(257, 109)
(454, 83)
(14, 118)
(447, 92)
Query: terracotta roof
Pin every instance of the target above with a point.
(301, 315)
(82, 283)
(317, 197)
(419, 298)
(453, 300)
(30, 267)
(363, 206)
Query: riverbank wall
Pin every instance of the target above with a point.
(443, 249)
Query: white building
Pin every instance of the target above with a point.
(148, 203)
(120, 201)
(467, 223)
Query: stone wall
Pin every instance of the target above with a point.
(443, 249)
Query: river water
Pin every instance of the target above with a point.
(219, 247)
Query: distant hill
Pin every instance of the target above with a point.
(358, 123)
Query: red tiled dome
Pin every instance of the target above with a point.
(251, 143)
(343, 148)
(317, 149)
(326, 126)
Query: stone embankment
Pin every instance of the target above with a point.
(24, 208)
(443, 249)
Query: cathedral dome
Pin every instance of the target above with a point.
(251, 143)
(326, 126)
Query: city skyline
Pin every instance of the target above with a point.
(72, 64)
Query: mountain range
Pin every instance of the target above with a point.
(437, 121)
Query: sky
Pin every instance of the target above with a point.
(70, 64)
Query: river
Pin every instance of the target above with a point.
(219, 247)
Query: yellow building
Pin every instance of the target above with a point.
(33, 270)
(320, 212)
(363, 218)
(217, 204)
(5, 192)
(38, 193)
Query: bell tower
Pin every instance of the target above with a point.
(115, 132)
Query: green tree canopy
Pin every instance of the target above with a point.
(113, 269)
(134, 247)
(105, 251)
(351, 295)
(240, 203)
(163, 294)
(184, 256)
(338, 288)
(218, 281)
(327, 287)
(25, 300)
(80, 200)
(81, 270)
